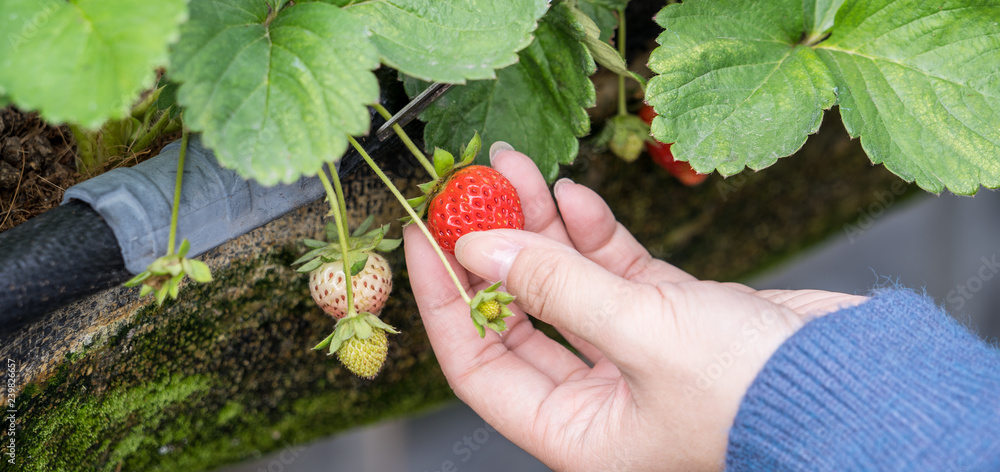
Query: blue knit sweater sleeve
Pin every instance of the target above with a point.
(893, 384)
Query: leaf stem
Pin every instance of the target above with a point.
(340, 198)
(622, 109)
(87, 159)
(177, 194)
(340, 221)
(408, 142)
(413, 216)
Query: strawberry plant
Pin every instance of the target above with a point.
(742, 84)
(275, 86)
(278, 90)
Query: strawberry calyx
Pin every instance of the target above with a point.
(360, 244)
(358, 325)
(445, 166)
(488, 309)
(164, 276)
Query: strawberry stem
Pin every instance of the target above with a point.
(622, 110)
(172, 239)
(413, 215)
(408, 142)
(339, 219)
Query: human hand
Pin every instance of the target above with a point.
(670, 357)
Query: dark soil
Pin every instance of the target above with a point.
(36, 166)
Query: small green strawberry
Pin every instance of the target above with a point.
(164, 275)
(365, 357)
(489, 308)
(360, 343)
(625, 135)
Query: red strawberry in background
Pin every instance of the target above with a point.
(661, 155)
(473, 198)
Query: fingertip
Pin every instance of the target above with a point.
(560, 184)
(497, 148)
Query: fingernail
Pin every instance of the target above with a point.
(560, 183)
(487, 255)
(497, 147)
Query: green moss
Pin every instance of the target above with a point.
(224, 375)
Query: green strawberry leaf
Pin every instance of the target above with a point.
(470, 151)
(387, 245)
(83, 61)
(325, 342)
(918, 82)
(314, 243)
(310, 266)
(358, 263)
(537, 105)
(603, 53)
(742, 84)
(312, 254)
(734, 88)
(443, 161)
(497, 325)
(602, 15)
(375, 322)
(343, 332)
(175, 286)
(450, 41)
(199, 271)
(167, 97)
(331, 232)
(138, 279)
(364, 226)
(610, 4)
(819, 16)
(416, 201)
(161, 293)
(478, 320)
(275, 99)
(362, 330)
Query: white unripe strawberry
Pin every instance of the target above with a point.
(371, 286)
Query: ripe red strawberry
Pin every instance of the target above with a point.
(365, 357)
(371, 286)
(660, 152)
(474, 198)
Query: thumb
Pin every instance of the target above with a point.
(557, 285)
